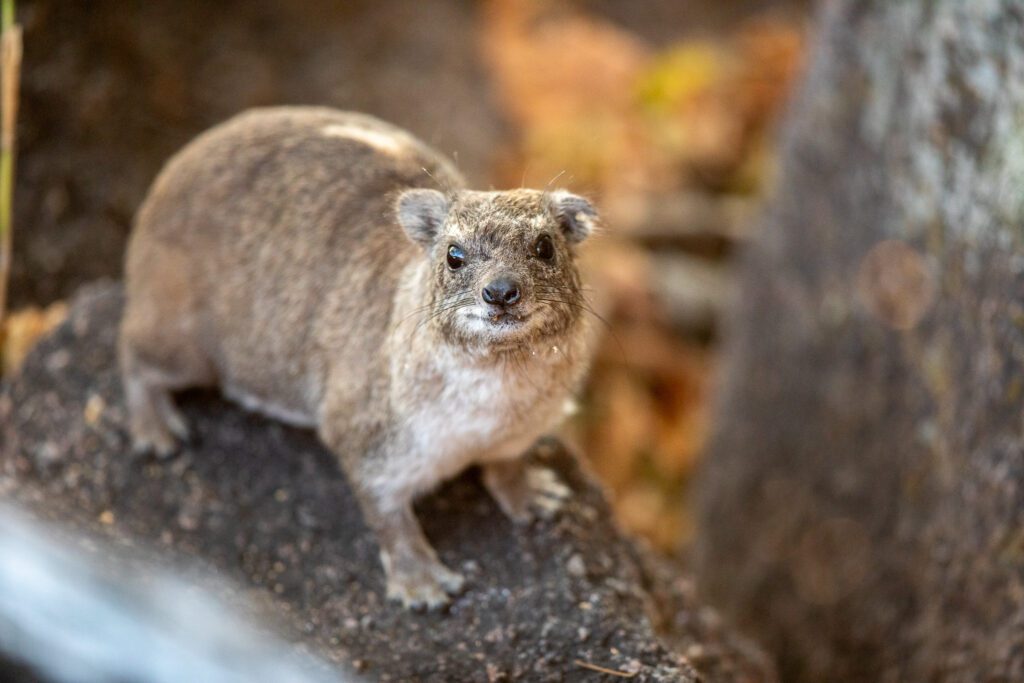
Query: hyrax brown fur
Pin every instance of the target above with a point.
(301, 260)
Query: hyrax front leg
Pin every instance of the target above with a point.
(415, 577)
(523, 491)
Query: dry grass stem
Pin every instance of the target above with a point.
(10, 71)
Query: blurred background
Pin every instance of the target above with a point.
(663, 111)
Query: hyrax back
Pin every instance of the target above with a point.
(304, 261)
(240, 239)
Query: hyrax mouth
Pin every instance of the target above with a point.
(507, 316)
(503, 319)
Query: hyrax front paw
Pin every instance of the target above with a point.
(547, 493)
(422, 584)
(525, 493)
(158, 434)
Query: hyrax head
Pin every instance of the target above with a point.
(504, 268)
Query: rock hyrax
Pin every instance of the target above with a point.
(330, 270)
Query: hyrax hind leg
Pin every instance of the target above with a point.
(155, 363)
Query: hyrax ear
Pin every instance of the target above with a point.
(575, 214)
(421, 214)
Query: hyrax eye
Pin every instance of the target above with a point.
(456, 257)
(544, 248)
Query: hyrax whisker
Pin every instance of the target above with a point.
(586, 308)
(425, 307)
(434, 314)
(554, 178)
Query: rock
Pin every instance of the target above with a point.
(267, 507)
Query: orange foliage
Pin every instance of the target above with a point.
(21, 330)
(625, 118)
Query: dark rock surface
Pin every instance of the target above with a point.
(266, 506)
(11, 672)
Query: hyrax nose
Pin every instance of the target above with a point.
(502, 292)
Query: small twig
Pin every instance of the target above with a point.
(10, 68)
(601, 669)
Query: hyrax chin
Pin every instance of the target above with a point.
(298, 259)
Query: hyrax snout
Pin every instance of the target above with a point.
(330, 270)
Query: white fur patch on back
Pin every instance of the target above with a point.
(390, 143)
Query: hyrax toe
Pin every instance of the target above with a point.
(452, 582)
(525, 493)
(176, 423)
(153, 437)
(426, 587)
(547, 494)
(417, 595)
